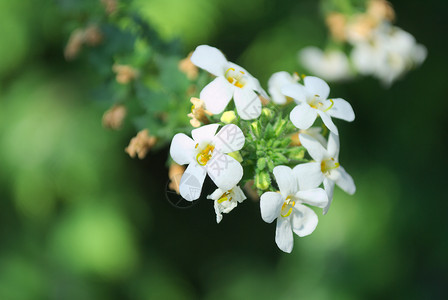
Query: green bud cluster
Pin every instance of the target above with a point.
(269, 144)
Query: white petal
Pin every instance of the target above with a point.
(204, 133)
(329, 189)
(286, 180)
(342, 110)
(283, 235)
(217, 95)
(333, 145)
(191, 182)
(316, 86)
(238, 194)
(247, 102)
(229, 139)
(182, 149)
(303, 116)
(310, 175)
(304, 220)
(210, 59)
(224, 170)
(270, 206)
(216, 194)
(218, 212)
(314, 148)
(295, 91)
(345, 182)
(276, 82)
(316, 197)
(327, 121)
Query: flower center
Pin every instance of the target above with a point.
(329, 164)
(225, 197)
(204, 155)
(287, 207)
(238, 79)
(317, 103)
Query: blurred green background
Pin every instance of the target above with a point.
(79, 219)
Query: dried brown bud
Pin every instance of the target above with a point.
(263, 100)
(114, 116)
(295, 141)
(198, 112)
(175, 174)
(187, 67)
(336, 23)
(93, 35)
(125, 73)
(251, 191)
(110, 6)
(380, 10)
(141, 144)
(74, 44)
(361, 27)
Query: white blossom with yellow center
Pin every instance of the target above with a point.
(325, 168)
(287, 206)
(231, 81)
(207, 153)
(226, 201)
(312, 100)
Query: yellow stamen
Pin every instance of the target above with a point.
(237, 79)
(288, 203)
(332, 103)
(224, 197)
(205, 155)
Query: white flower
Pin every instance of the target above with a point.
(231, 81)
(226, 201)
(312, 101)
(331, 65)
(275, 84)
(206, 154)
(315, 133)
(388, 54)
(287, 207)
(325, 168)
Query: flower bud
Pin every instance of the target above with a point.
(255, 128)
(267, 112)
(236, 155)
(280, 127)
(261, 163)
(262, 180)
(228, 117)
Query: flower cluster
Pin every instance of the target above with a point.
(377, 48)
(285, 150)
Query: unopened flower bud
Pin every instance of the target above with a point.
(380, 10)
(228, 117)
(267, 112)
(236, 155)
(93, 35)
(255, 128)
(262, 180)
(336, 23)
(261, 163)
(186, 66)
(113, 117)
(141, 144)
(125, 73)
(280, 127)
(74, 44)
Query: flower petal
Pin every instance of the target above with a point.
(345, 182)
(270, 206)
(303, 116)
(314, 148)
(229, 139)
(316, 197)
(310, 175)
(210, 59)
(283, 235)
(329, 189)
(217, 94)
(224, 170)
(286, 181)
(327, 121)
(182, 149)
(247, 102)
(316, 86)
(333, 146)
(295, 91)
(204, 133)
(191, 182)
(238, 194)
(342, 110)
(216, 194)
(304, 220)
